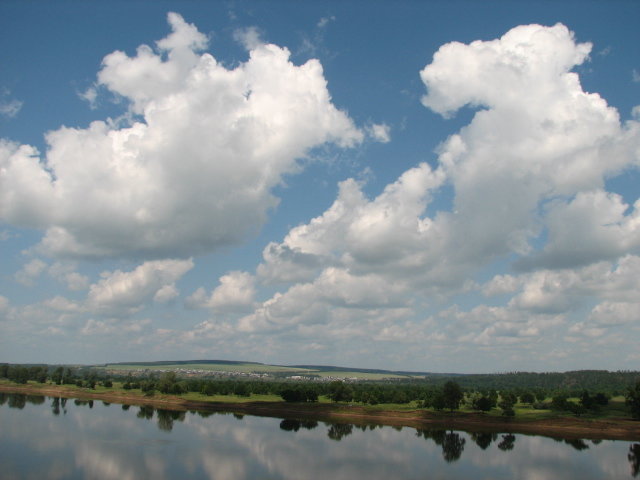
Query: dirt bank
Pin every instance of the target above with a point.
(565, 427)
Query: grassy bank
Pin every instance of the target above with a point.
(609, 423)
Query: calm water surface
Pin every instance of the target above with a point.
(51, 438)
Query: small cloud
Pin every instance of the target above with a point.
(380, 132)
(9, 107)
(635, 75)
(6, 235)
(91, 96)
(324, 21)
(248, 37)
(166, 294)
(30, 272)
(65, 273)
(605, 51)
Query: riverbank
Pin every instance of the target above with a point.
(557, 427)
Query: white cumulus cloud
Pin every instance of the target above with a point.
(120, 293)
(236, 292)
(195, 167)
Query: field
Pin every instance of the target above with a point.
(248, 368)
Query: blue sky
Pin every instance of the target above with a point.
(435, 186)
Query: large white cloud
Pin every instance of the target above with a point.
(191, 170)
(528, 175)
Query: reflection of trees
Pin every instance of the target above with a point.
(238, 416)
(483, 440)
(290, 425)
(125, 407)
(452, 443)
(145, 411)
(507, 442)
(83, 402)
(452, 447)
(634, 459)
(577, 443)
(17, 401)
(308, 424)
(339, 430)
(205, 413)
(167, 417)
(3, 398)
(55, 406)
(436, 435)
(35, 399)
(293, 425)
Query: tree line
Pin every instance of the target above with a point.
(450, 395)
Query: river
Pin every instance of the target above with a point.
(56, 438)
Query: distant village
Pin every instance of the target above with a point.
(202, 373)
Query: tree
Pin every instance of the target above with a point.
(633, 400)
(559, 402)
(166, 382)
(340, 392)
(527, 397)
(68, 378)
(18, 374)
(507, 402)
(291, 395)
(482, 403)
(452, 394)
(587, 401)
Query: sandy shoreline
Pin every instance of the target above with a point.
(565, 427)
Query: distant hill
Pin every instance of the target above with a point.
(186, 362)
(331, 368)
(573, 380)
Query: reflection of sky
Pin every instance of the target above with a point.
(105, 442)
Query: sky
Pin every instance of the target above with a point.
(426, 186)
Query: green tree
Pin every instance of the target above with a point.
(559, 402)
(482, 403)
(453, 395)
(633, 400)
(507, 402)
(340, 392)
(587, 401)
(527, 397)
(166, 382)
